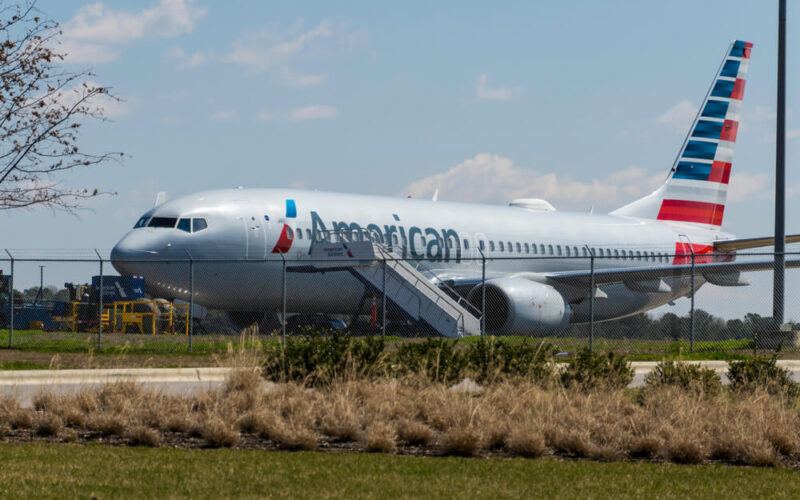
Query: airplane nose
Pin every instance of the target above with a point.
(132, 248)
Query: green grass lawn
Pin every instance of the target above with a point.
(67, 471)
(135, 344)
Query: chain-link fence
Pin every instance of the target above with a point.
(609, 301)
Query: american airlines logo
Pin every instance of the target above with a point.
(436, 245)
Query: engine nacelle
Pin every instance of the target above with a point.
(517, 306)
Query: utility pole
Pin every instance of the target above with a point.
(780, 176)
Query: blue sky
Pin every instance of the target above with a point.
(582, 103)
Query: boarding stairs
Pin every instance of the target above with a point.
(408, 286)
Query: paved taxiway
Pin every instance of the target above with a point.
(25, 384)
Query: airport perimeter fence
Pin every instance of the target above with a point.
(180, 305)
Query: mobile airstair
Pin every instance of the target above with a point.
(406, 286)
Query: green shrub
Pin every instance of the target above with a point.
(314, 358)
(436, 359)
(690, 377)
(492, 358)
(762, 374)
(589, 370)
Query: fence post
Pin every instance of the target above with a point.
(100, 304)
(383, 301)
(283, 302)
(11, 303)
(189, 316)
(591, 299)
(691, 310)
(483, 293)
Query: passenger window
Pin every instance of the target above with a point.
(185, 225)
(533, 247)
(299, 233)
(541, 249)
(491, 245)
(600, 252)
(519, 248)
(482, 245)
(568, 254)
(585, 252)
(198, 225)
(510, 248)
(308, 234)
(575, 250)
(638, 255)
(550, 249)
(558, 249)
(527, 248)
(616, 253)
(502, 248)
(466, 244)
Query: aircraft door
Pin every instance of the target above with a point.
(257, 227)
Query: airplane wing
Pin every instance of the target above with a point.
(645, 278)
(745, 243)
(718, 273)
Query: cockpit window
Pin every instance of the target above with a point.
(162, 222)
(185, 225)
(142, 222)
(198, 225)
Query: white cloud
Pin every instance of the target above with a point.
(92, 34)
(224, 115)
(791, 134)
(494, 179)
(483, 91)
(265, 116)
(266, 51)
(111, 108)
(678, 118)
(313, 112)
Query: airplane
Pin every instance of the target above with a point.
(536, 260)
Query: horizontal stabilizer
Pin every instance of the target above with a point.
(745, 243)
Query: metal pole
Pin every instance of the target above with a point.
(591, 300)
(780, 175)
(189, 316)
(691, 310)
(100, 305)
(283, 302)
(483, 293)
(383, 301)
(11, 303)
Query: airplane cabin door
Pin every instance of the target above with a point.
(257, 228)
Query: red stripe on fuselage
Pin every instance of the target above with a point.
(702, 253)
(691, 211)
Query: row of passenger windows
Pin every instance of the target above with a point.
(541, 249)
(572, 251)
(190, 225)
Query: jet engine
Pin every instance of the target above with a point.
(517, 306)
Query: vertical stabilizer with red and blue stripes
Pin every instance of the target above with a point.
(697, 187)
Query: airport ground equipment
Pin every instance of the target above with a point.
(149, 316)
(407, 289)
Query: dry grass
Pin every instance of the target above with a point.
(413, 416)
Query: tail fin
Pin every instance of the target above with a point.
(697, 186)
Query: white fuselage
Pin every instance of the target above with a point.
(236, 265)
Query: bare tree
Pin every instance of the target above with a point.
(42, 107)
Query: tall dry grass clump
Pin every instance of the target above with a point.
(586, 416)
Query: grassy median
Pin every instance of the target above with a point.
(59, 471)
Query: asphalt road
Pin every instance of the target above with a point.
(26, 384)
